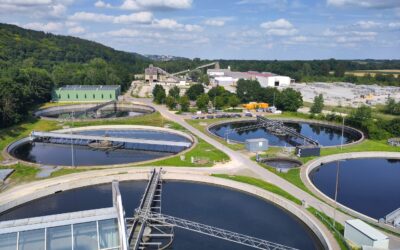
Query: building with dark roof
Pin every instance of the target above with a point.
(86, 93)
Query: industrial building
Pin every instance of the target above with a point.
(86, 93)
(156, 74)
(365, 236)
(228, 78)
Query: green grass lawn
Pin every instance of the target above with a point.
(328, 222)
(16, 132)
(261, 184)
(202, 150)
(203, 129)
(22, 173)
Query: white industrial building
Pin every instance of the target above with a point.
(365, 236)
(226, 77)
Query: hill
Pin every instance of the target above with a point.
(34, 62)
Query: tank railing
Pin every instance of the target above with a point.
(219, 233)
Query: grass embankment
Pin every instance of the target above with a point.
(205, 154)
(337, 230)
(202, 125)
(261, 184)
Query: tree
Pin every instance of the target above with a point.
(289, 100)
(392, 107)
(174, 92)
(216, 91)
(159, 94)
(233, 101)
(360, 116)
(219, 102)
(318, 104)
(194, 91)
(269, 95)
(204, 79)
(202, 102)
(184, 103)
(340, 69)
(170, 102)
(248, 90)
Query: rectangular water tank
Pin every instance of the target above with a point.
(256, 145)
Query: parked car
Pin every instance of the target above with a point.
(248, 114)
(195, 117)
(210, 117)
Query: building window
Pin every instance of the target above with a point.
(110, 96)
(94, 96)
(85, 96)
(68, 96)
(77, 96)
(102, 96)
(59, 96)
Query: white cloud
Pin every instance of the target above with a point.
(92, 17)
(156, 4)
(52, 8)
(174, 25)
(47, 27)
(76, 30)
(102, 4)
(123, 33)
(394, 25)
(364, 3)
(26, 2)
(218, 21)
(368, 24)
(280, 27)
(277, 24)
(140, 17)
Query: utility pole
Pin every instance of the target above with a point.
(341, 143)
(72, 141)
(336, 192)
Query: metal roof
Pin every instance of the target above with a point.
(57, 220)
(257, 140)
(90, 87)
(366, 229)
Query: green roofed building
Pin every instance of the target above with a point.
(86, 93)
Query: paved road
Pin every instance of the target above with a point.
(242, 162)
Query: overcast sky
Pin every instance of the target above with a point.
(231, 29)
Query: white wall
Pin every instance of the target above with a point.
(284, 81)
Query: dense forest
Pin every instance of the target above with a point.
(32, 63)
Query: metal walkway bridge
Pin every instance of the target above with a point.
(275, 127)
(129, 143)
(148, 215)
(109, 229)
(94, 111)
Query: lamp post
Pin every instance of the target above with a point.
(72, 141)
(341, 142)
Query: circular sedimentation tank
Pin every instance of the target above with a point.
(362, 184)
(89, 111)
(282, 164)
(60, 152)
(203, 203)
(325, 134)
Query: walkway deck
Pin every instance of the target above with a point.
(37, 134)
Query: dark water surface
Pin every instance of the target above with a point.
(206, 204)
(325, 135)
(61, 154)
(370, 185)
